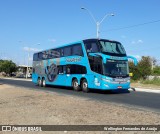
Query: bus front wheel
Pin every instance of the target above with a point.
(84, 86)
(75, 85)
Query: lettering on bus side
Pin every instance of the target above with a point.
(73, 59)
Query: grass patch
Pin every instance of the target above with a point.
(155, 81)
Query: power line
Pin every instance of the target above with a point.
(132, 26)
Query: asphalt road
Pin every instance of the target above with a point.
(140, 100)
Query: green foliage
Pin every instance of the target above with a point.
(145, 66)
(156, 71)
(142, 70)
(134, 69)
(7, 66)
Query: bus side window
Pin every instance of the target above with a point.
(35, 57)
(68, 70)
(88, 47)
(67, 51)
(40, 56)
(77, 50)
(96, 64)
(61, 52)
(60, 70)
(94, 47)
(91, 47)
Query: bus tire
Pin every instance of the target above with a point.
(84, 86)
(39, 82)
(75, 85)
(43, 82)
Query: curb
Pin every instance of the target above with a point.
(145, 90)
(17, 79)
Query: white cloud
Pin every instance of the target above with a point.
(137, 41)
(140, 41)
(31, 49)
(52, 40)
(138, 57)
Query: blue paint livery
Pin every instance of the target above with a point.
(44, 70)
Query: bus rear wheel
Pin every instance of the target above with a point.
(84, 86)
(75, 85)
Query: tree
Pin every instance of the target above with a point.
(145, 66)
(7, 66)
(134, 69)
(143, 69)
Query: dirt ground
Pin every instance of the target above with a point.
(22, 106)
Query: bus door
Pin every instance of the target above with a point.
(68, 75)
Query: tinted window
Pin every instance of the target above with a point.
(40, 56)
(54, 53)
(35, 57)
(61, 69)
(76, 69)
(91, 47)
(68, 69)
(112, 48)
(96, 64)
(67, 51)
(77, 50)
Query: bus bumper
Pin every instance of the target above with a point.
(115, 86)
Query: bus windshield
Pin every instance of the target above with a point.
(111, 47)
(115, 68)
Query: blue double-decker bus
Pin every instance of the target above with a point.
(87, 64)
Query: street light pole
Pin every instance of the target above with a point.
(29, 49)
(98, 23)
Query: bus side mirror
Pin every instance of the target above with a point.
(134, 59)
(131, 74)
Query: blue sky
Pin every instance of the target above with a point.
(43, 24)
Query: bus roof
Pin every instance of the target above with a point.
(68, 44)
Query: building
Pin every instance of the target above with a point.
(22, 71)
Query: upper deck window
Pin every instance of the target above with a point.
(108, 47)
(67, 51)
(92, 47)
(77, 50)
(112, 47)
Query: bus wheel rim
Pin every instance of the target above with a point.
(39, 82)
(44, 82)
(75, 84)
(85, 85)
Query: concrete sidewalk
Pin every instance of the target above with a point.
(12, 78)
(131, 89)
(145, 90)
